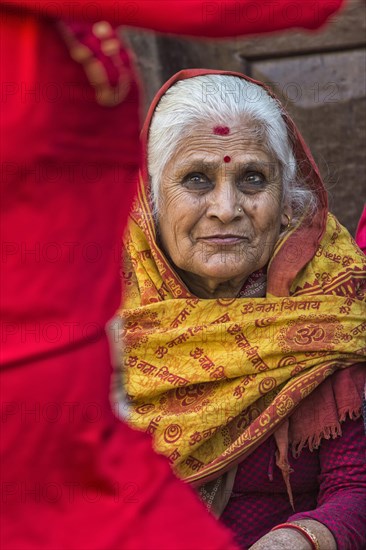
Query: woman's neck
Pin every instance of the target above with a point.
(211, 288)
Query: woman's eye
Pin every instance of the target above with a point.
(196, 180)
(253, 180)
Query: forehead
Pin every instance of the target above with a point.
(243, 143)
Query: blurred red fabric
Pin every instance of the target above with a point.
(361, 231)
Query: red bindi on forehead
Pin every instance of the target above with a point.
(221, 130)
(227, 158)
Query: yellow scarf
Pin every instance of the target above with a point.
(212, 379)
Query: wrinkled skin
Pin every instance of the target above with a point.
(214, 245)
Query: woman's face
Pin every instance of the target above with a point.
(220, 209)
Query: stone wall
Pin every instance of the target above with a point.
(319, 76)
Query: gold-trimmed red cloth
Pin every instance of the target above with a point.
(212, 379)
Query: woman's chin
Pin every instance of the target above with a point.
(221, 274)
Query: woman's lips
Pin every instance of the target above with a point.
(223, 240)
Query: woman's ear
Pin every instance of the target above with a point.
(286, 215)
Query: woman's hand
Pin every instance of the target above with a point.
(286, 538)
(282, 539)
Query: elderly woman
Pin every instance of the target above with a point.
(243, 318)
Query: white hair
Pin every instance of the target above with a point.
(223, 100)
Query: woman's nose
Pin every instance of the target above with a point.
(223, 204)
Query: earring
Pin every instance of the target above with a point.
(240, 209)
(288, 221)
